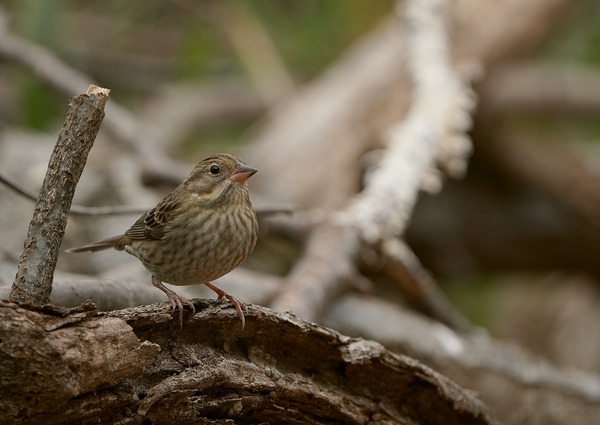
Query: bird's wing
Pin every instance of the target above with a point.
(155, 223)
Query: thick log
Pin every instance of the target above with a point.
(135, 366)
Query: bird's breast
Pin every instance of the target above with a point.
(202, 248)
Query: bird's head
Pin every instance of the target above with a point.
(219, 174)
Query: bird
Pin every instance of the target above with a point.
(199, 232)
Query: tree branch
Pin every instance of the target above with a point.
(33, 282)
(433, 134)
(433, 131)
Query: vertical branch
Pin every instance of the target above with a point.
(33, 282)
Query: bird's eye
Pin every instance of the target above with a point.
(214, 169)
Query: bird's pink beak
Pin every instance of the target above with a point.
(242, 173)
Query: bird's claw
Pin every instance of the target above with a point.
(177, 303)
(240, 307)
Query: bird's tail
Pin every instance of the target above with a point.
(98, 245)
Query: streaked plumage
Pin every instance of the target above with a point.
(201, 231)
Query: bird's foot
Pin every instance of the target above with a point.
(240, 307)
(177, 301)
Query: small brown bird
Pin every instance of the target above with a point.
(201, 231)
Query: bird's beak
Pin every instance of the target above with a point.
(242, 173)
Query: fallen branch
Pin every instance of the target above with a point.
(368, 100)
(123, 289)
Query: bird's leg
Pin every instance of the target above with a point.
(176, 301)
(240, 307)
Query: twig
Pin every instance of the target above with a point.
(262, 211)
(75, 209)
(33, 282)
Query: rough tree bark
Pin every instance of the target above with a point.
(134, 366)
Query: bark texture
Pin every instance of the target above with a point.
(33, 282)
(136, 366)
